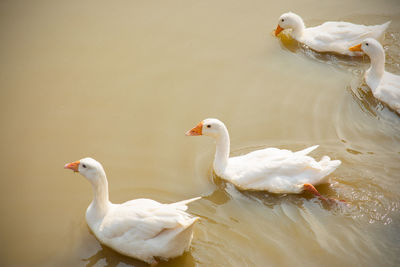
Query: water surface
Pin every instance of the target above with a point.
(122, 82)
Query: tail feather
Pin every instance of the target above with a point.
(182, 204)
(329, 165)
(306, 151)
(385, 25)
(380, 31)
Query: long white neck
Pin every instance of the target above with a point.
(100, 204)
(222, 152)
(298, 28)
(377, 68)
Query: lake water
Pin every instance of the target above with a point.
(122, 81)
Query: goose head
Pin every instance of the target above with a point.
(369, 46)
(88, 167)
(290, 21)
(208, 127)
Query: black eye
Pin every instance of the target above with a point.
(83, 165)
(282, 20)
(209, 126)
(366, 44)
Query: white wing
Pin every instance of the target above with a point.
(388, 90)
(340, 36)
(143, 219)
(277, 170)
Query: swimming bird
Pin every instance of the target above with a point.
(140, 228)
(271, 169)
(331, 36)
(384, 85)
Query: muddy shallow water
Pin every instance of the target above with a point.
(122, 82)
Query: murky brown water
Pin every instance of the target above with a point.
(122, 81)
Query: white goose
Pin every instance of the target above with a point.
(384, 85)
(271, 169)
(332, 36)
(140, 228)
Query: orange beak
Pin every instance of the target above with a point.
(73, 166)
(278, 30)
(196, 130)
(355, 48)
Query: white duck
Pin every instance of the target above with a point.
(384, 85)
(140, 228)
(330, 36)
(271, 169)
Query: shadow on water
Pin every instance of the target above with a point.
(364, 98)
(109, 258)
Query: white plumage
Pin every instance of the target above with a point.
(271, 169)
(384, 85)
(278, 170)
(330, 36)
(140, 228)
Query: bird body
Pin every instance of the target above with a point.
(271, 169)
(139, 228)
(278, 170)
(331, 36)
(384, 85)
